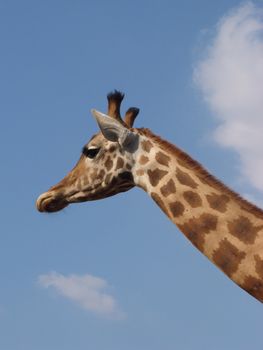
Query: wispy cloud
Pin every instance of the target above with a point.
(230, 77)
(89, 292)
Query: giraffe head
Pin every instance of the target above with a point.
(104, 167)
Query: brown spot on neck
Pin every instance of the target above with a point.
(243, 229)
(218, 202)
(168, 188)
(185, 179)
(156, 175)
(162, 158)
(176, 208)
(196, 228)
(146, 145)
(193, 199)
(227, 257)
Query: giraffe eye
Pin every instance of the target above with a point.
(90, 152)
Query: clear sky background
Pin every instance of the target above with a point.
(117, 274)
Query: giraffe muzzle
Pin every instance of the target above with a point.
(50, 203)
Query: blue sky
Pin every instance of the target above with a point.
(175, 61)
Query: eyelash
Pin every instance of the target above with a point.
(90, 152)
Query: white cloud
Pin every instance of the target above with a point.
(230, 77)
(88, 291)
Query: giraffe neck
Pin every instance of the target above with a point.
(222, 225)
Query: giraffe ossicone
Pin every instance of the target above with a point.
(113, 130)
(222, 225)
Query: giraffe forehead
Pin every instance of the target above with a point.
(96, 140)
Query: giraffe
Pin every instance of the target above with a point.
(223, 226)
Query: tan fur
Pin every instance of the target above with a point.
(205, 176)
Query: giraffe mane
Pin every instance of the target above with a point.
(203, 174)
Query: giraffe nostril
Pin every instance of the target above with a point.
(48, 202)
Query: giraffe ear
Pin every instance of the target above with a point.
(113, 130)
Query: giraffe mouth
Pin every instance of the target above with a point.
(49, 204)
